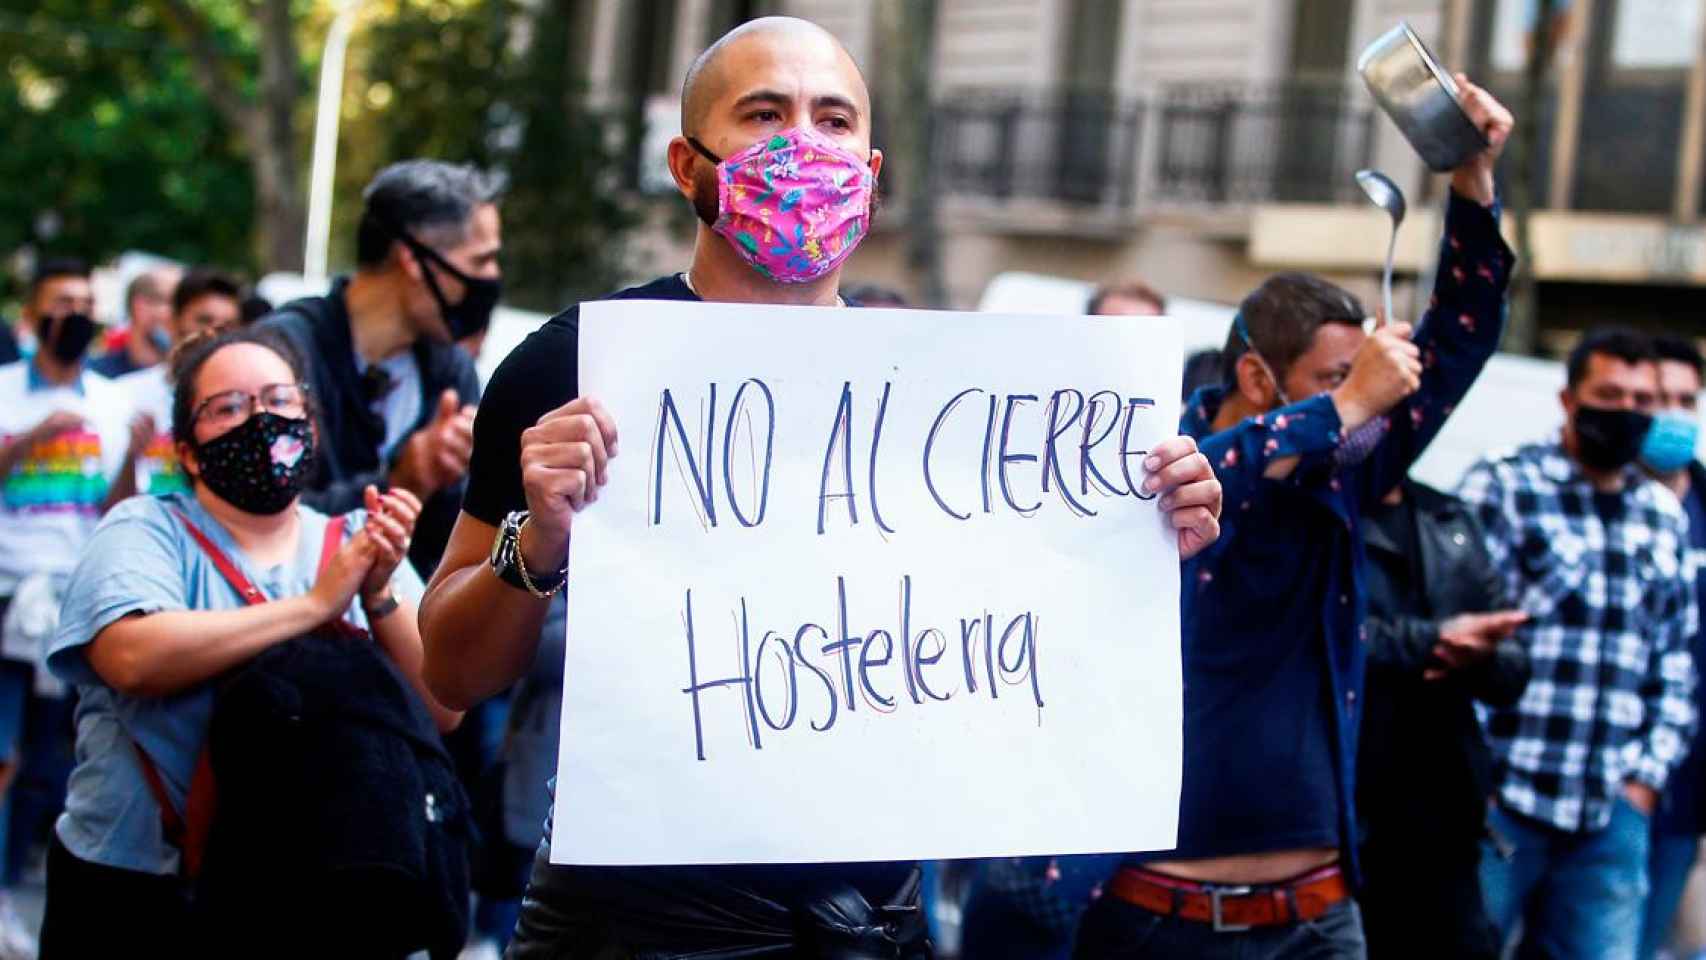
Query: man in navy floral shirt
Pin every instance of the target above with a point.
(1314, 421)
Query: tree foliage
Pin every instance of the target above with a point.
(110, 146)
(116, 144)
(494, 83)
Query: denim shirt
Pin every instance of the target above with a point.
(1286, 569)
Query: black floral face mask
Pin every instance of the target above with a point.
(260, 465)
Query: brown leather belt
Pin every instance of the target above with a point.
(1233, 908)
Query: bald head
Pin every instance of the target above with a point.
(714, 73)
(764, 79)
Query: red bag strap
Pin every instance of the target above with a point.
(250, 593)
(247, 590)
(171, 823)
(334, 539)
(187, 831)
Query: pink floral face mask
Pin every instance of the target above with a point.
(793, 205)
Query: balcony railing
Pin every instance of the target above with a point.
(1291, 144)
(1212, 146)
(1078, 149)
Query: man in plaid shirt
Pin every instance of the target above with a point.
(1594, 551)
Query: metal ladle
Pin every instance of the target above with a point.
(1385, 195)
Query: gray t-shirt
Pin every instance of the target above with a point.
(142, 560)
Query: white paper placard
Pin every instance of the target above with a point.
(779, 606)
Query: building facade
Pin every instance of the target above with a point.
(1203, 144)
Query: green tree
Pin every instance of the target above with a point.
(192, 148)
(110, 145)
(244, 58)
(495, 83)
(424, 77)
(567, 209)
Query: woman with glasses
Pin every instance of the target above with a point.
(156, 615)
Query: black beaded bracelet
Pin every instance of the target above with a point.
(385, 609)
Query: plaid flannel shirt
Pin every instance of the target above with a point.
(1609, 591)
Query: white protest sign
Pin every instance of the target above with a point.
(871, 585)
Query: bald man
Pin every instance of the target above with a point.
(541, 452)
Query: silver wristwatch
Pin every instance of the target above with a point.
(507, 562)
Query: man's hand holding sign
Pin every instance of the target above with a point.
(565, 459)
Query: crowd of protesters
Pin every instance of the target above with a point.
(283, 609)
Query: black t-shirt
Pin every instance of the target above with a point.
(537, 377)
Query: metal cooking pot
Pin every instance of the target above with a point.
(1420, 98)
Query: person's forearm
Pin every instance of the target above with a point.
(1259, 449)
(480, 635)
(398, 634)
(161, 654)
(123, 486)
(1475, 184)
(13, 453)
(1400, 643)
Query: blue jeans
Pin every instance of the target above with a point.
(1668, 864)
(1580, 896)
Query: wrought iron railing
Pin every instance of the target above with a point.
(1076, 148)
(1238, 145)
(1213, 145)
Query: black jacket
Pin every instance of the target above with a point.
(351, 434)
(1424, 771)
(336, 800)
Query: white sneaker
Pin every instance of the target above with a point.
(478, 950)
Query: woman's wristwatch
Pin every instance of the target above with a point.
(508, 564)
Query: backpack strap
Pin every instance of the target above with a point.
(187, 831)
(250, 593)
(333, 540)
(329, 547)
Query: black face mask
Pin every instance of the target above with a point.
(1610, 439)
(260, 465)
(471, 314)
(68, 337)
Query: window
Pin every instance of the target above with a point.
(728, 14)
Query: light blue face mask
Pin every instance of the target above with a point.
(1669, 445)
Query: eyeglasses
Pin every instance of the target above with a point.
(232, 407)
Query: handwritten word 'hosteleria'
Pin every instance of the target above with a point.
(1084, 448)
(984, 452)
(823, 673)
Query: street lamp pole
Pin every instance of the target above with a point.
(326, 115)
